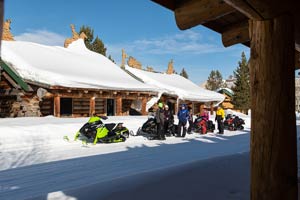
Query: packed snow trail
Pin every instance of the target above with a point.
(35, 160)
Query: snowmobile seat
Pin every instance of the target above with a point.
(110, 126)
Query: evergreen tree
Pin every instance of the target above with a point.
(184, 73)
(241, 97)
(112, 60)
(215, 80)
(92, 44)
(98, 46)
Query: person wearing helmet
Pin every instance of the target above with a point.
(220, 115)
(160, 120)
(183, 116)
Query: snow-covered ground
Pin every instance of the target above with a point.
(35, 162)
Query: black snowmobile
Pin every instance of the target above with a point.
(149, 129)
(95, 130)
(233, 123)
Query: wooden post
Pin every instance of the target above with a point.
(211, 108)
(92, 106)
(273, 128)
(119, 106)
(144, 104)
(177, 106)
(57, 106)
(201, 108)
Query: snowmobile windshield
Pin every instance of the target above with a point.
(94, 119)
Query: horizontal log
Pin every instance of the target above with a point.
(245, 8)
(46, 108)
(263, 9)
(196, 12)
(81, 112)
(81, 107)
(82, 103)
(237, 33)
(11, 81)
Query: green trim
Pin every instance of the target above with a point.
(224, 91)
(15, 76)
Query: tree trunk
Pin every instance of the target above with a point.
(273, 127)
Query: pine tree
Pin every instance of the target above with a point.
(241, 97)
(184, 73)
(214, 81)
(112, 60)
(98, 46)
(94, 45)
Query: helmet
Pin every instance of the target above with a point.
(160, 105)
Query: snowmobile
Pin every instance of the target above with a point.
(96, 131)
(149, 129)
(233, 123)
(203, 125)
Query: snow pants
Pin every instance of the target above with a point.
(182, 125)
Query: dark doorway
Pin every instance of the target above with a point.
(110, 107)
(171, 107)
(66, 106)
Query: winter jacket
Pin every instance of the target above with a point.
(168, 115)
(205, 116)
(220, 112)
(183, 115)
(160, 116)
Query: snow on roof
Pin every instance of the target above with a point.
(75, 66)
(176, 85)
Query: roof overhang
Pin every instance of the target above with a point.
(230, 18)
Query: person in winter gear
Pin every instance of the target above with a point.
(190, 119)
(205, 115)
(183, 116)
(220, 115)
(168, 120)
(160, 120)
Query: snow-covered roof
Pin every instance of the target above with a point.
(75, 66)
(176, 85)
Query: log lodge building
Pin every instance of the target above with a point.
(40, 80)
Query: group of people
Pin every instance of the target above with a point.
(164, 117)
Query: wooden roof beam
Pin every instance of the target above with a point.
(237, 33)
(262, 9)
(194, 12)
(11, 81)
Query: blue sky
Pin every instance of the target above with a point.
(144, 29)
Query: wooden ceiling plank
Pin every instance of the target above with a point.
(263, 9)
(197, 12)
(244, 8)
(237, 33)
